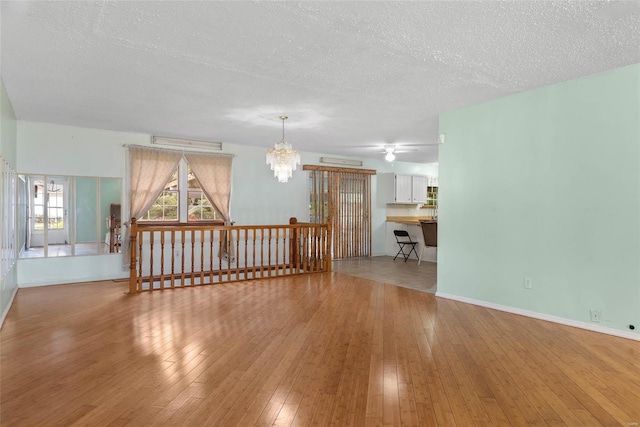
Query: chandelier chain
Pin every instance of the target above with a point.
(283, 118)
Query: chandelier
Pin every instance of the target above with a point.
(283, 159)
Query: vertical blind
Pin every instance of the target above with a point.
(343, 198)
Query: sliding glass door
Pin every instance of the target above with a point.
(343, 199)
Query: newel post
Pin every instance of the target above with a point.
(328, 246)
(295, 243)
(133, 237)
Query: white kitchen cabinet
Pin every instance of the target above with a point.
(402, 188)
(418, 189)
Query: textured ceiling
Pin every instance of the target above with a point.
(351, 76)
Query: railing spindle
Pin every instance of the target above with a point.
(133, 235)
(230, 251)
(269, 253)
(173, 258)
(202, 257)
(285, 250)
(140, 240)
(182, 234)
(276, 255)
(151, 235)
(262, 252)
(246, 242)
(220, 234)
(162, 260)
(305, 249)
(237, 240)
(193, 257)
(253, 257)
(211, 256)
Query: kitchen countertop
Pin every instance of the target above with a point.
(409, 220)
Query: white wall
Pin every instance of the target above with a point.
(257, 197)
(65, 150)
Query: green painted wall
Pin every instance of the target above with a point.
(86, 209)
(87, 217)
(110, 189)
(546, 184)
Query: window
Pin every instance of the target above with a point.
(38, 205)
(56, 206)
(199, 208)
(49, 196)
(165, 208)
(182, 200)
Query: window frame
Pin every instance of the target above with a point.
(183, 203)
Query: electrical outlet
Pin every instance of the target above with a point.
(596, 316)
(528, 283)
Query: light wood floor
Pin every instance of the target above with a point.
(325, 349)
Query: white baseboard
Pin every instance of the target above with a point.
(8, 307)
(74, 280)
(541, 316)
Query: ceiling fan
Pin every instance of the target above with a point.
(390, 150)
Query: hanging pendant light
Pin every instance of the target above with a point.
(283, 159)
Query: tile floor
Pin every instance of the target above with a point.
(65, 250)
(384, 269)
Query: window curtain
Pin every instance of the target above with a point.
(149, 171)
(213, 173)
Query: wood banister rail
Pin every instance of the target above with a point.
(171, 256)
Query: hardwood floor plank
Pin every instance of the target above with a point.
(525, 374)
(326, 349)
(286, 415)
(556, 384)
(494, 382)
(439, 401)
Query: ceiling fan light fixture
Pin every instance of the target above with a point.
(390, 156)
(283, 159)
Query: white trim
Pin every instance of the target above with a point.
(6, 310)
(75, 280)
(541, 316)
(335, 161)
(177, 142)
